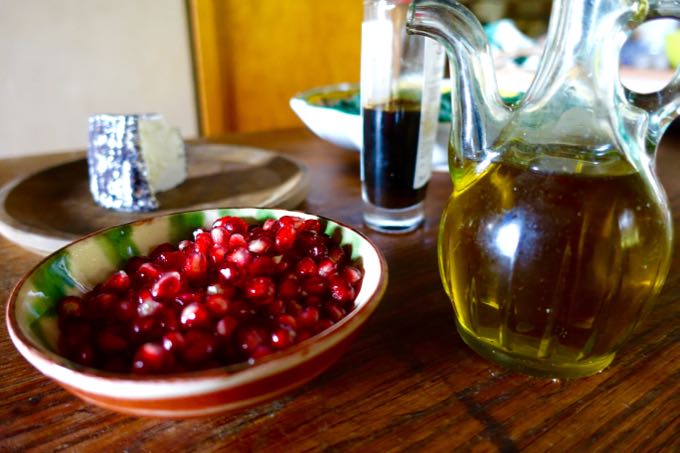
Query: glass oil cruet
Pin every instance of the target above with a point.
(557, 235)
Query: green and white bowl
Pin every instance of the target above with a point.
(75, 269)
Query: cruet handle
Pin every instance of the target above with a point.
(663, 105)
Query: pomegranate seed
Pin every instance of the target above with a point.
(302, 335)
(282, 338)
(116, 364)
(327, 267)
(262, 265)
(118, 282)
(313, 301)
(260, 290)
(242, 310)
(195, 267)
(260, 351)
(148, 307)
(160, 249)
(195, 316)
(168, 320)
(226, 326)
(336, 254)
(203, 241)
(218, 254)
(286, 321)
(334, 312)
(289, 288)
(220, 236)
(173, 341)
(74, 333)
(84, 355)
(306, 267)
(217, 304)
(71, 306)
(237, 241)
(147, 273)
(260, 245)
(126, 310)
(230, 273)
(185, 245)
(222, 288)
(186, 298)
(168, 286)
(293, 308)
(352, 275)
(250, 337)
(308, 317)
(240, 257)
(288, 221)
(133, 264)
(170, 261)
(285, 238)
(199, 347)
(314, 285)
(323, 325)
(111, 339)
(341, 290)
(269, 224)
(150, 358)
(232, 224)
(145, 327)
(318, 251)
(277, 307)
(102, 305)
(311, 225)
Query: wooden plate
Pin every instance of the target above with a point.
(47, 210)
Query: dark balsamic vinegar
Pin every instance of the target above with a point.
(390, 154)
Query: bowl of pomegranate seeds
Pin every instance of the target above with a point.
(199, 312)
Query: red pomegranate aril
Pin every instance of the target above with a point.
(167, 286)
(116, 364)
(111, 339)
(101, 305)
(217, 254)
(260, 351)
(151, 358)
(285, 238)
(133, 264)
(173, 341)
(259, 245)
(185, 245)
(126, 310)
(250, 337)
(160, 249)
(323, 325)
(118, 282)
(352, 275)
(220, 236)
(199, 347)
(270, 225)
(230, 273)
(237, 240)
(277, 307)
(336, 254)
(260, 289)
(189, 297)
(240, 257)
(71, 306)
(195, 267)
(262, 265)
(203, 241)
(306, 267)
(314, 285)
(84, 355)
(288, 221)
(289, 288)
(226, 289)
(170, 261)
(217, 304)
(195, 316)
(232, 224)
(308, 317)
(148, 307)
(318, 251)
(145, 328)
(302, 335)
(341, 290)
(281, 338)
(226, 326)
(74, 333)
(334, 312)
(293, 308)
(327, 267)
(311, 225)
(287, 321)
(242, 311)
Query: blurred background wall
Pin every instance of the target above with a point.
(61, 60)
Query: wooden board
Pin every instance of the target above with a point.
(45, 211)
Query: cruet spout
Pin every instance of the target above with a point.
(478, 112)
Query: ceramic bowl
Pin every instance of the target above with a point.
(76, 268)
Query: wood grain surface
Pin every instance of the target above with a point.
(407, 383)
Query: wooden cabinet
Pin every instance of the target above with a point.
(251, 57)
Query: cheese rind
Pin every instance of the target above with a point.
(131, 158)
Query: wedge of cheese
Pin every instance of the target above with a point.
(131, 158)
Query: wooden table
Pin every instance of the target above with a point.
(408, 382)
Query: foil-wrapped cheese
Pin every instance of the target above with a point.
(131, 158)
